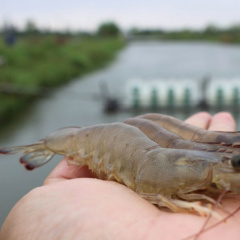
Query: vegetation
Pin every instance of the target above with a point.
(210, 33)
(38, 61)
(109, 29)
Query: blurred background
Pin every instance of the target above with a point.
(79, 63)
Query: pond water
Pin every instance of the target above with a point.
(76, 103)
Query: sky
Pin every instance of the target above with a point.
(80, 15)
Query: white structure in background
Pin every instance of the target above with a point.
(223, 92)
(181, 93)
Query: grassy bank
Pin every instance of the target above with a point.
(49, 61)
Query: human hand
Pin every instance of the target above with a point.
(73, 205)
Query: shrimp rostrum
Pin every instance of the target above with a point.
(151, 156)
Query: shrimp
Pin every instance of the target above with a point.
(168, 139)
(121, 152)
(193, 133)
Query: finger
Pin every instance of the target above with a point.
(222, 121)
(64, 171)
(201, 120)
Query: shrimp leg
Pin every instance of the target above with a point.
(179, 206)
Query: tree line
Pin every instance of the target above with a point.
(229, 34)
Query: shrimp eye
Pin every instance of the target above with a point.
(235, 161)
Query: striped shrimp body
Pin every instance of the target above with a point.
(121, 152)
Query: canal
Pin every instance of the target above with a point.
(78, 103)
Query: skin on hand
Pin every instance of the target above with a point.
(72, 204)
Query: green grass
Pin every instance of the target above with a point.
(47, 61)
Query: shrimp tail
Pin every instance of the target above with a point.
(33, 156)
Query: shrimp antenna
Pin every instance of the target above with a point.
(210, 215)
(215, 224)
(203, 229)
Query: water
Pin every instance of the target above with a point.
(72, 105)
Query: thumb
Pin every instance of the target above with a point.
(64, 171)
